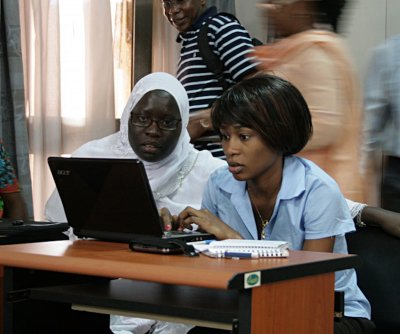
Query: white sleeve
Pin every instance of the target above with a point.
(54, 210)
(355, 207)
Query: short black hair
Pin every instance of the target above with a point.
(269, 105)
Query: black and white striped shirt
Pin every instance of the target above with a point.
(231, 42)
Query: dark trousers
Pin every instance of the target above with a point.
(391, 184)
(346, 325)
(349, 325)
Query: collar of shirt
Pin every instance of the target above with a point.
(211, 11)
(293, 180)
(293, 185)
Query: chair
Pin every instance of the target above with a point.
(379, 275)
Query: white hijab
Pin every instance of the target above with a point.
(165, 176)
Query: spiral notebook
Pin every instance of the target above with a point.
(238, 248)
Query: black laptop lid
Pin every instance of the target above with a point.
(107, 199)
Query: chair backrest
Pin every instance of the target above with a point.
(379, 275)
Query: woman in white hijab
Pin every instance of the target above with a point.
(177, 174)
(176, 180)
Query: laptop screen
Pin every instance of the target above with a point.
(106, 198)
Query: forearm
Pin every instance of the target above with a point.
(374, 216)
(319, 245)
(388, 221)
(231, 234)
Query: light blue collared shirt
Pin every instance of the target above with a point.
(309, 205)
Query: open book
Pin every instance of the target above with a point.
(239, 248)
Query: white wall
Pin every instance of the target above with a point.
(366, 24)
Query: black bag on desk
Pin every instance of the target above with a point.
(161, 246)
(20, 231)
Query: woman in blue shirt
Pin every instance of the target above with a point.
(266, 192)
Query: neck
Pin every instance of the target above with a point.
(268, 184)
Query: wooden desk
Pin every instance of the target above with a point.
(293, 295)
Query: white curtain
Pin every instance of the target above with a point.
(68, 78)
(165, 47)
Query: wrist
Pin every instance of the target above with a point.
(359, 221)
(205, 123)
(232, 234)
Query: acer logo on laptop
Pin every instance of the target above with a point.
(63, 172)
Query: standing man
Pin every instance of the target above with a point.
(382, 124)
(229, 40)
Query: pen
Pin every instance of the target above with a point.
(239, 255)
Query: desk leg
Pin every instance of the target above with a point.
(243, 325)
(7, 314)
(1, 298)
(303, 306)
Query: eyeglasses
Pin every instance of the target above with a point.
(168, 4)
(163, 124)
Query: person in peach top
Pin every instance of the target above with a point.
(311, 55)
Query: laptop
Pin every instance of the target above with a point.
(110, 199)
